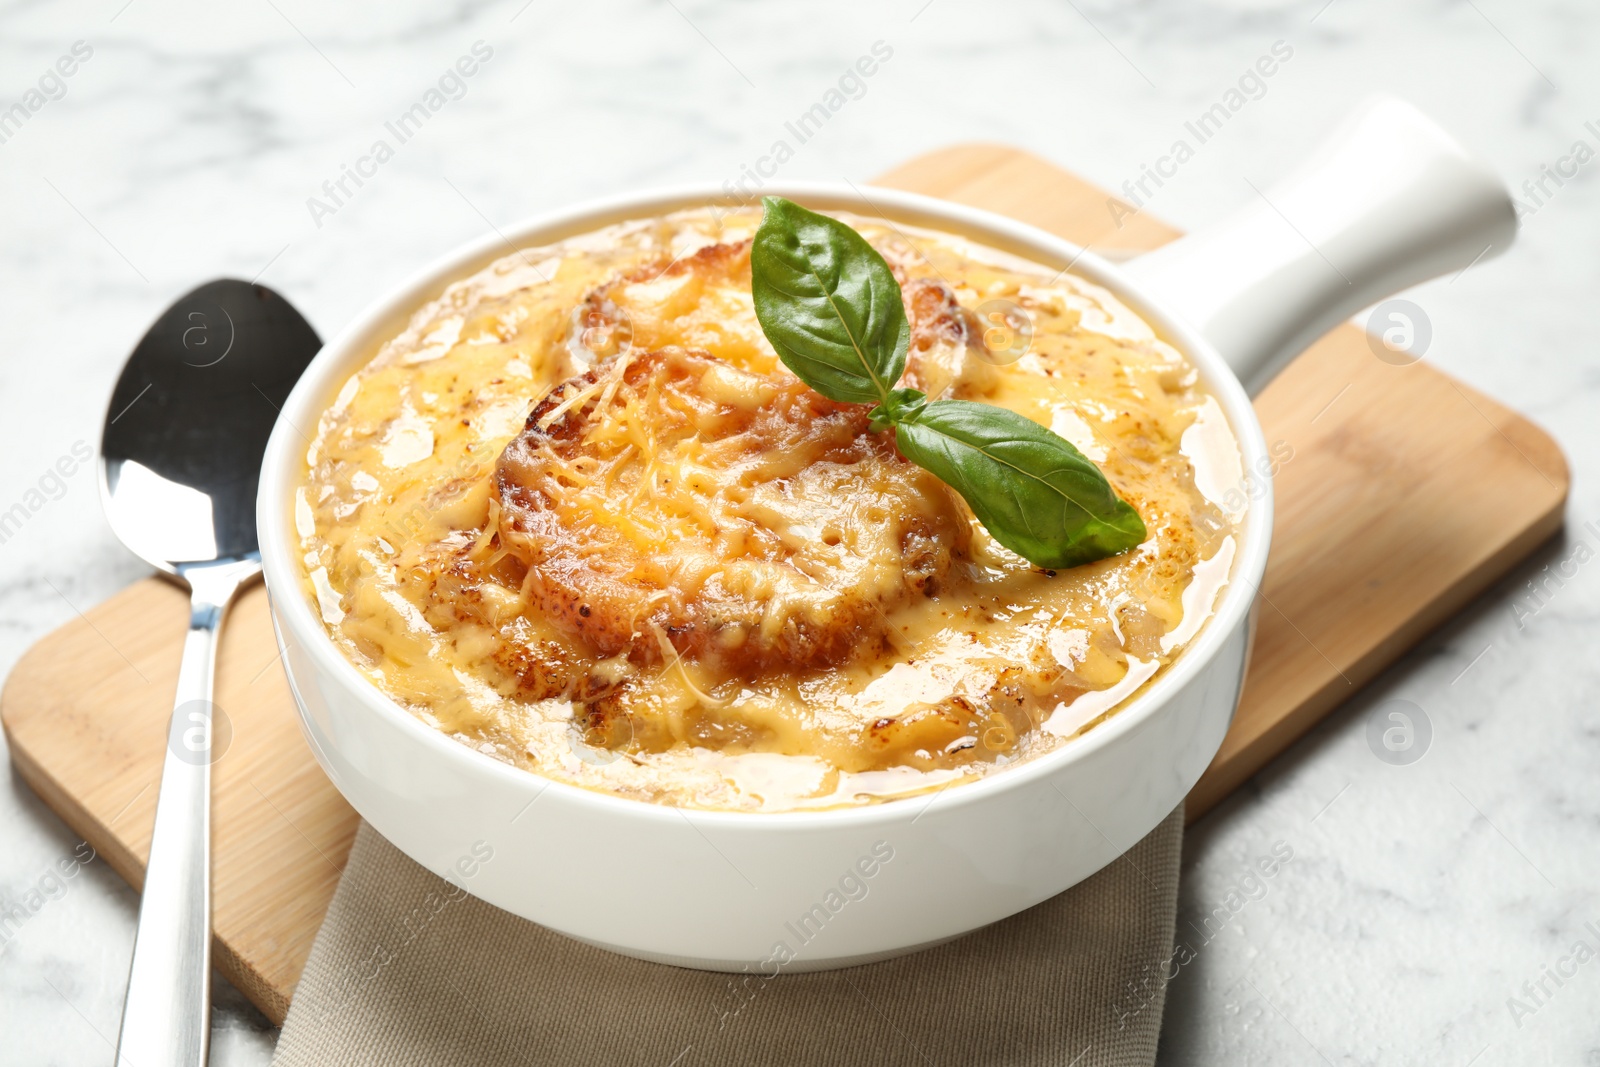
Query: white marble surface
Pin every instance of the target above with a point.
(1418, 899)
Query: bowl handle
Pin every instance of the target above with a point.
(1388, 201)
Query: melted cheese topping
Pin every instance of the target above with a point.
(690, 508)
(690, 542)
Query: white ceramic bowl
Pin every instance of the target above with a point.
(1389, 202)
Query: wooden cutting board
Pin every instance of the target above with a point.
(1447, 488)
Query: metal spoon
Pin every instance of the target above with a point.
(179, 460)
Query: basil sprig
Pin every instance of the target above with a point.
(832, 309)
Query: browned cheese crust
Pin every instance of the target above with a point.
(669, 501)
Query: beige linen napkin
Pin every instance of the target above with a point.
(408, 969)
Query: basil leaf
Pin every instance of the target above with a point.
(1032, 490)
(832, 309)
(828, 303)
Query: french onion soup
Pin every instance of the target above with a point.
(581, 516)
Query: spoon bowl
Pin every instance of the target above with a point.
(180, 454)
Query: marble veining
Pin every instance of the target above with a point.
(1428, 912)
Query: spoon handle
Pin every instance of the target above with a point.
(166, 1019)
